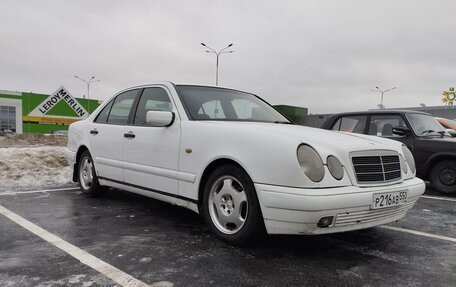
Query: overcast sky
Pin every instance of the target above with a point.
(324, 55)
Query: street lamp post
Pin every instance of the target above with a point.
(222, 51)
(88, 82)
(377, 89)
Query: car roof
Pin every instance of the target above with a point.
(380, 112)
(166, 83)
(332, 119)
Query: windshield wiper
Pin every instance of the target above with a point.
(441, 133)
(427, 132)
(283, 122)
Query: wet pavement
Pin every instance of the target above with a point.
(157, 242)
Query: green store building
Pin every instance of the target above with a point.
(292, 112)
(23, 112)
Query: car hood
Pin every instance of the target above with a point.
(439, 142)
(318, 138)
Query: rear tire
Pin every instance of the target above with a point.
(231, 208)
(443, 177)
(87, 177)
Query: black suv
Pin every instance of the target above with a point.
(433, 148)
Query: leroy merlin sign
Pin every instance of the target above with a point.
(60, 107)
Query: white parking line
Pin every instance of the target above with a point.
(439, 197)
(420, 233)
(37, 191)
(84, 257)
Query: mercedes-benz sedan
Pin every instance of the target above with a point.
(231, 157)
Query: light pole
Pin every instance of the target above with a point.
(377, 89)
(222, 51)
(90, 81)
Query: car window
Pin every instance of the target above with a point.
(382, 125)
(210, 103)
(103, 115)
(352, 124)
(444, 125)
(121, 107)
(211, 110)
(152, 99)
(425, 125)
(245, 109)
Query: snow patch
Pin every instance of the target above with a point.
(27, 167)
(73, 279)
(145, 260)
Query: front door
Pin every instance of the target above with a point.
(151, 154)
(382, 125)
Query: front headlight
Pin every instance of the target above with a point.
(403, 164)
(311, 163)
(335, 167)
(409, 158)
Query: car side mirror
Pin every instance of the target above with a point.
(159, 118)
(402, 131)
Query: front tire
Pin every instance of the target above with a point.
(87, 177)
(443, 177)
(231, 208)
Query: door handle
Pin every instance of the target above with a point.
(94, 132)
(129, 135)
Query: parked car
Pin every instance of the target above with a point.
(433, 148)
(231, 157)
(449, 125)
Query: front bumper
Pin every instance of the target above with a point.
(70, 156)
(288, 210)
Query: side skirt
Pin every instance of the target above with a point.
(189, 203)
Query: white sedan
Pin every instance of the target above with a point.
(231, 157)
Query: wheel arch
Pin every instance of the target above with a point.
(435, 159)
(81, 149)
(208, 171)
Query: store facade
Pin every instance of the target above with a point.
(23, 112)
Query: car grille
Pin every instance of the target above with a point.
(350, 218)
(377, 169)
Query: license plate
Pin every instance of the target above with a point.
(383, 200)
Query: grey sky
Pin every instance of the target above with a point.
(325, 55)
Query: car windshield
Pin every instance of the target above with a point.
(210, 103)
(425, 125)
(446, 123)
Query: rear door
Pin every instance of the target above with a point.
(151, 154)
(107, 135)
(351, 124)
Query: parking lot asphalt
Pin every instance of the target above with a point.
(163, 245)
